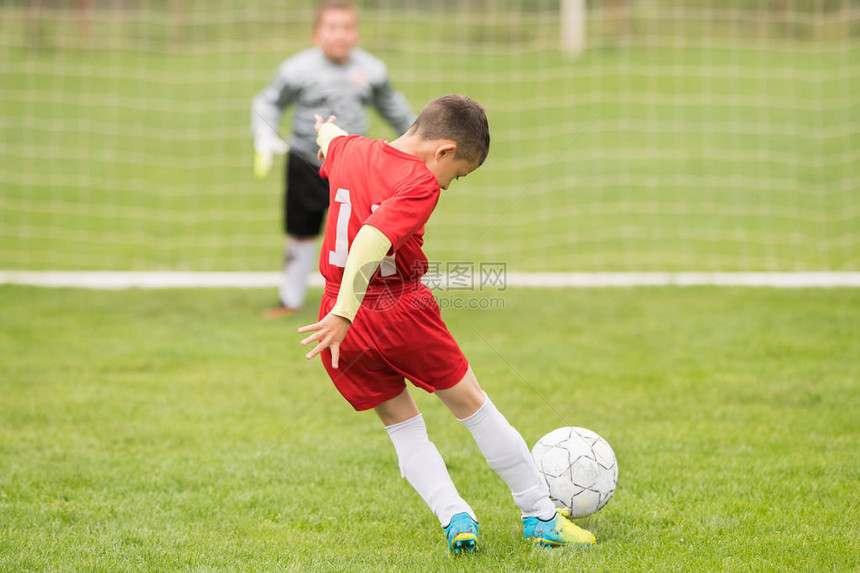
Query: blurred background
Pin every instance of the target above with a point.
(628, 135)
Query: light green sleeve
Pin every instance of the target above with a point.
(365, 254)
(327, 132)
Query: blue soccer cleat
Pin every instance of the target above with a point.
(462, 534)
(557, 531)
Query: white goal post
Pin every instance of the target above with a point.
(573, 26)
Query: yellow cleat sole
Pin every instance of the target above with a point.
(548, 543)
(464, 543)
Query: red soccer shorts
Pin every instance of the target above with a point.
(394, 336)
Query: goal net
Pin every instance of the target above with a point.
(649, 135)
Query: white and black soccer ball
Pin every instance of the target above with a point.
(579, 467)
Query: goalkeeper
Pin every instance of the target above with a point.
(332, 78)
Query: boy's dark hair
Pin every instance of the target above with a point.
(327, 5)
(460, 119)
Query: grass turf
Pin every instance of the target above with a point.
(175, 430)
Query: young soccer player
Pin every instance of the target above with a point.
(332, 78)
(380, 325)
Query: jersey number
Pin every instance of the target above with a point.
(337, 257)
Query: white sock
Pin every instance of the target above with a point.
(424, 469)
(507, 453)
(299, 261)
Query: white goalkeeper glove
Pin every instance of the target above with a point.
(266, 146)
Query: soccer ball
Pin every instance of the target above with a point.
(579, 467)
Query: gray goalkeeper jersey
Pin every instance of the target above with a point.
(316, 85)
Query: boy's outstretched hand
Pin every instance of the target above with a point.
(318, 123)
(329, 332)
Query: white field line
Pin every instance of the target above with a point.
(113, 280)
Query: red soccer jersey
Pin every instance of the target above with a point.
(372, 183)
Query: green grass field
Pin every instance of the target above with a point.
(176, 431)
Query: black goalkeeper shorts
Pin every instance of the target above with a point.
(306, 198)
